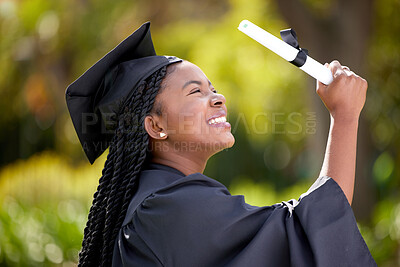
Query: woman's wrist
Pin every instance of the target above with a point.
(345, 119)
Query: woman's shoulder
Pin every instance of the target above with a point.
(166, 186)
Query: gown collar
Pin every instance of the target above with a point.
(158, 166)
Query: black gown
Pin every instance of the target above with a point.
(178, 220)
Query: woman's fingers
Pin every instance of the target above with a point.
(346, 94)
(349, 72)
(336, 68)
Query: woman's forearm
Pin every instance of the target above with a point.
(340, 156)
(344, 98)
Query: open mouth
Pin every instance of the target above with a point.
(219, 122)
(215, 121)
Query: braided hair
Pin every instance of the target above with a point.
(118, 183)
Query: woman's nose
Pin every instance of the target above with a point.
(217, 100)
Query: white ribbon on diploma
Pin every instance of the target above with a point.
(286, 51)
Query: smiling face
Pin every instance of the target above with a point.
(193, 114)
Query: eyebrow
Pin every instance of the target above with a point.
(195, 82)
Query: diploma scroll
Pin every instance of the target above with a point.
(286, 51)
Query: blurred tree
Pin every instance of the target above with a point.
(340, 29)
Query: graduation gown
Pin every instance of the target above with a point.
(178, 220)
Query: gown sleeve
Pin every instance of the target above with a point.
(196, 222)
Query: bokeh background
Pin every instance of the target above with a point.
(280, 125)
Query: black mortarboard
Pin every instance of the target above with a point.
(96, 96)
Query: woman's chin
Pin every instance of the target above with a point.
(228, 142)
(231, 141)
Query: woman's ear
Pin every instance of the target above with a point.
(153, 126)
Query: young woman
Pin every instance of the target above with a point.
(162, 119)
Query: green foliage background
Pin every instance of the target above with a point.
(46, 184)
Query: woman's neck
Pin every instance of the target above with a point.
(183, 163)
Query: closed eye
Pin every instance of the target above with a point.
(197, 90)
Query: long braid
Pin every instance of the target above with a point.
(118, 183)
(113, 199)
(139, 138)
(88, 252)
(135, 169)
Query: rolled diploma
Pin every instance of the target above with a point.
(286, 51)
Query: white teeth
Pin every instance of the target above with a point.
(217, 120)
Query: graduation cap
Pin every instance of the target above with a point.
(96, 97)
